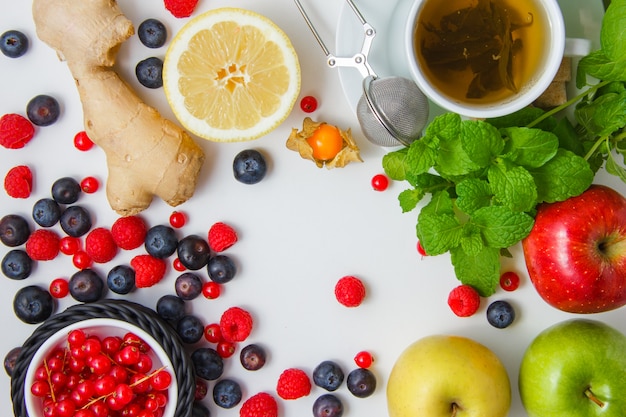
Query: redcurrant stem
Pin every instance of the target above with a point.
(48, 376)
(589, 394)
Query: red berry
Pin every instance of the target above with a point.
(76, 337)
(18, 182)
(420, 249)
(40, 388)
(148, 270)
(211, 290)
(221, 237)
(350, 291)
(464, 300)
(15, 131)
(292, 384)
(308, 104)
(380, 182)
(43, 245)
(178, 219)
(69, 245)
(259, 405)
(178, 265)
(82, 141)
(181, 8)
(100, 245)
(235, 324)
(201, 389)
(225, 349)
(161, 380)
(81, 260)
(509, 281)
(212, 333)
(59, 287)
(90, 185)
(364, 359)
(129, 232)
(65, 408)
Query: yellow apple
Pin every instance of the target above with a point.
(448, 376)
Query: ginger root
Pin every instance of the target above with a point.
(147, 155)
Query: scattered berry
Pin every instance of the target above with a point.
(188, 286)
(180, 8)
(308, 104)
(236, 324)
(500, 314)
(14, 230)
(350, 291)
(361, 382)
(33, 304)
(225, 349)
(221, 269)
(509, 281)
(81, 259)
(327, 405)
(59, 288)
(249, 166)
(178, 219)
(190, 329)
(420, 249)
(86, 286)
(292, 384)
(43, 110)
(13, 43)
(259, 405)
(69, 245)
(380, 182)
(82, 142)
(178, 265)
(11, 359)
(149, 72)
(15, 131)
(207, 363)
(193, 252)
(252, 357)
(43, 245)
(170, 308)
(364, 359)
(212, 333)
(152, 33)
(66, 190)
(211, 290)
(75, 221)
(46, 212)
(121, 279)
(129, 232)
(227, 393)
(18, 183)
(148, 270)
(328, 375)
(464, 300)
(89, 185)
(17, 265)
(100, 245)
(221, 236)
(202, 389)
(161, 241)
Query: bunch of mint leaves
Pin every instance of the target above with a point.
(486, 178)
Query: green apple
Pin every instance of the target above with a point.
(576, 368)
(448, 376)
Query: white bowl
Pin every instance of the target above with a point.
(101, 327)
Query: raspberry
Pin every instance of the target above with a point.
(259, 405)
(464, 300)
(350, 291)
(180, 8)
(100, 246)
(148, 270)
(43, 245)
(221, 237)
(129, 232)
(18, 182)
(292, 384)
(15, 131)
(235, 324)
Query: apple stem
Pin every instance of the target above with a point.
(589, 394)
(454, 408)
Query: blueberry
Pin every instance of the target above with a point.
(86, 286)
(193, 252)
(13, 44)
(121, 279)
(152, 33)
(43, 110)
(46, 212)
(171, 308)
(188, 286)
(221, 269)
(199, 410)
(150, 72)
(207, 363)
(14, 230)
(361, 382)
(227, 393)
(328, 375)
(16, 264)
(33, 304)
(252, 357)
(161, 241)
(190, 329)
(10, 359)
(249, 166)
(65, 190)
(327, 405)
(500, 314)
(75, 221)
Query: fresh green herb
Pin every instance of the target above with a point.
(485, 178)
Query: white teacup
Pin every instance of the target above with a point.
(546, 45)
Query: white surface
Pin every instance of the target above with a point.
(300, 229)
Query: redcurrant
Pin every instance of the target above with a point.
(363, 359)
(76, 337)
(380, 182)
(81, 260)
(201, 389)
(90, 185)
(82, 142)
(211, 290)
(161, 380)
(509, 281)
(69, 245)
(59, 288)
(420, 249)
(225, 349)
(178, 219)
(212, 333)
(40, 388)
(178, 265)
(65, 408)
(308, 104)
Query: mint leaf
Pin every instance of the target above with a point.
(513, 186)
(438, 228)
(446, 126)
(481, 270)
(523, 117)
(452, 160)
(472, 243)
(568, 138)
(394, 164)
(530, 148)
(421, 156)
(481, 141)
(598, 65)
(430, 183)
(501, 227)
(566, 175)
(613, 30)
(613, 167)
(604, 115)
(473, 194)
(409, 198)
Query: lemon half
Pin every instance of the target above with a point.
(230, 75)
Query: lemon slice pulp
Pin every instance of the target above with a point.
(231, 74)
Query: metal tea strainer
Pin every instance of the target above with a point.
(392, 110)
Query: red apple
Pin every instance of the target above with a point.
(576, 251)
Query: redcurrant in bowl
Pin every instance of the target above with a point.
(100, 328)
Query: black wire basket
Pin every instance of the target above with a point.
(133, 313)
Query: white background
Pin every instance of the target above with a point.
(300, 229)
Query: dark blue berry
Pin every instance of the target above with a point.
(327, 405)
(14, 230)
(207, 363)
(188, 286)
(46, 212)
(10, 359)
(161, 241)
(199, 410)
(171, 308)
(221, 269)
(65, 190)
(43, 110)
(121, 279)
(361, 382)
(86, 286)
(252, 357)
(152, 33)
(13, 44)
(500, 314)
(33, 304)
(227, 393)
(249, 166)
(16, 264)
(193, 252)
(190, 329)
(75, 221)
(328, 375)
(150, 72)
